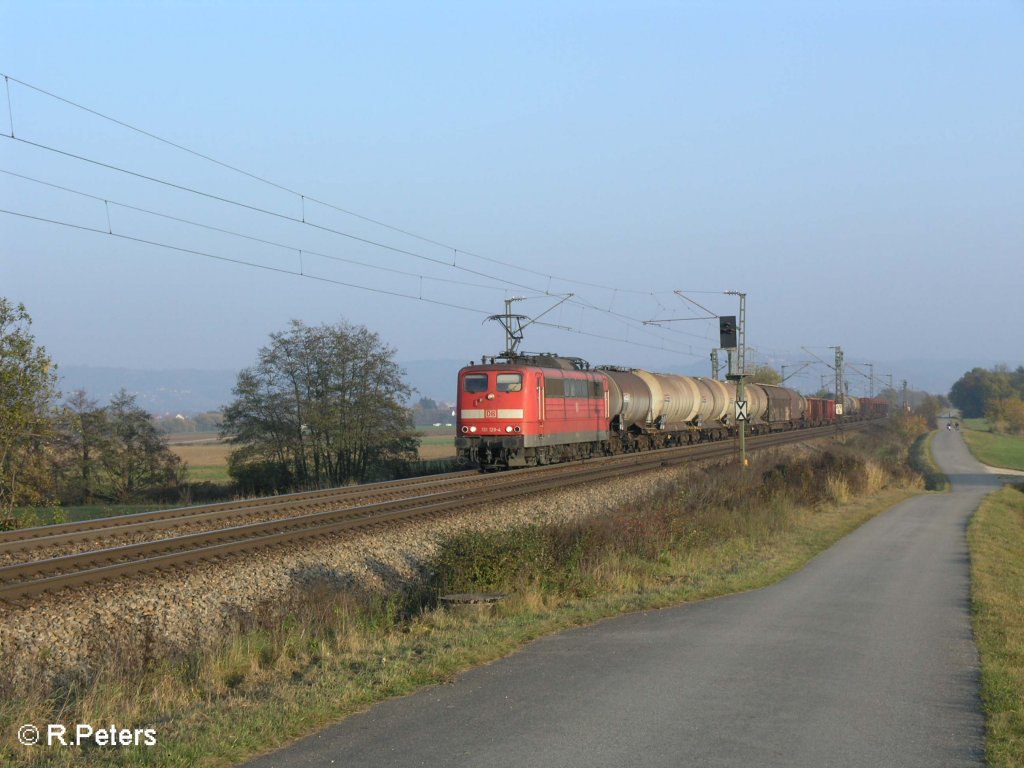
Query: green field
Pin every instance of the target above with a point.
(214, 473)
(436, 442)
(993, 449)
(206, 456)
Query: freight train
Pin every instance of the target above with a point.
(530, 410)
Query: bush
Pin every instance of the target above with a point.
(707, 506)
(257, 478)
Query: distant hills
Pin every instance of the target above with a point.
(170, 391)
(188, 391)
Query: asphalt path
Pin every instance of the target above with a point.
(863, 658)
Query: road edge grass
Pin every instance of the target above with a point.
(996, 539)
(923, 460)
(994, 449)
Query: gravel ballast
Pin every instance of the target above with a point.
(62, 636)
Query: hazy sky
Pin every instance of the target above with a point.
(857, 168)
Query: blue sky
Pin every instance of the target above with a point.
(856, 168)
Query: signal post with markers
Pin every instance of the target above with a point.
(732, 337)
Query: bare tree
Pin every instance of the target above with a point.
(133, 458)
(322, 406)
(80, 438)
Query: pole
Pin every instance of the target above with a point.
(740, 371)
(714, 364)
(840, 404)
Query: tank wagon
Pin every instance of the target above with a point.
(532, 410)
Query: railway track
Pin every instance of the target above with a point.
(300, 517)
(127, 529)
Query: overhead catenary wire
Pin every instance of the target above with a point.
(583, 303)
(107, 202)
(626, 320)
(303, 196)
(586, 305)
(10, 110)
(232, 260)
(285, 217)
(632, 343)
(299, 274)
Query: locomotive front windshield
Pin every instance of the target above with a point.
(510, 382)
(475, 382)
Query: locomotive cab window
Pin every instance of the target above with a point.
(510, 382)
(475, 382)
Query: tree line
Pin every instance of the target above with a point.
(997, 395)
(323, 406)
(76, 452)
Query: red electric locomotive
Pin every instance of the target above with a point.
(530, 410)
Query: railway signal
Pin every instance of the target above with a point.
(727, 331)
(732, 338)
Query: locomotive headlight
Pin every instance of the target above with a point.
(465, 430)
(508, 428)
(472, 429)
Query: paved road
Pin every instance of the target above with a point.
(863, 658)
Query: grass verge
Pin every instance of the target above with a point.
(332, 653)
(996, 538)
(995, 449)
(922, 460)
